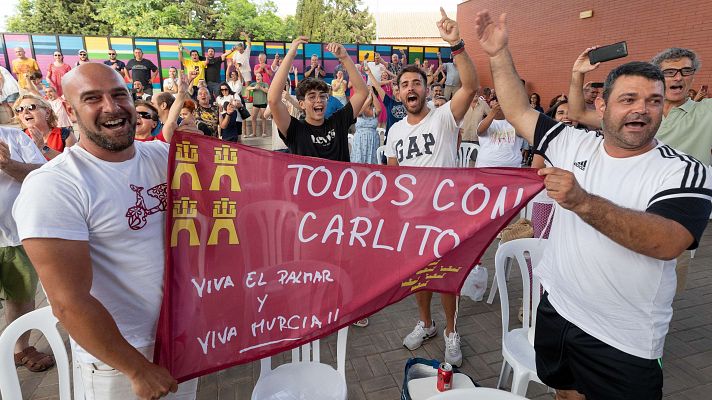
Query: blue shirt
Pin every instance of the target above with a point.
(332, 105)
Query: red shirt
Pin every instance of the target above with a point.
(152, 138)
(54, 139)
(265, 76)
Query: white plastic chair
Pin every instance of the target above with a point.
(379, 153)
(43, 320)
(465, 152)
(305, 377)
(518, 344)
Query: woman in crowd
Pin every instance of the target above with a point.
(38, 120)
(338, 87)
(226, 95)
(230, 121)
(366, 139)
(535, 102)
(561, 97)
(170, 84)
(258, 89)
(56, 71)
(58, 106)
(235, 81)
(206, 113)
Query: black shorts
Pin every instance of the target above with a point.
(259, 105)
(568, 358)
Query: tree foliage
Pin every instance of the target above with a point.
(335, 21)
(58, 16)
(322, 20)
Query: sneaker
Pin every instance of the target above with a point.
(420, 333)
(453, 355)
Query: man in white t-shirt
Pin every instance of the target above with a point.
(428, 138)
(499, 144)
(241, 57)
(627, 205)
(98, 245)
(18, 281)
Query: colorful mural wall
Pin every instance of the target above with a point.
(164, 52)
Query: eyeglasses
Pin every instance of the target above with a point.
(82, 54)
(112, 54)
(320, 96)
(144, 114)
(671, 72)
(29, 107)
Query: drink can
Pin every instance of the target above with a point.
(444, 377)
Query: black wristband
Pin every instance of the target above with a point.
(458, 46)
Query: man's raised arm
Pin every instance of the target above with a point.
(360, 90)
(450, 32)
(577, 105)
(280, 114)
(511, 96)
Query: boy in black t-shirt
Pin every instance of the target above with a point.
(316, 136)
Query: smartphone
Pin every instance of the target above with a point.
(608, 53)
(704, 88)
(366, 55)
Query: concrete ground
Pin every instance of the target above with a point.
(376, 357)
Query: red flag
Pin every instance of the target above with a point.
(267, 251)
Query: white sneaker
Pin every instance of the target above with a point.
(420, 333)
(453, 355)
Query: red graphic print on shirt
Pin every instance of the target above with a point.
(138, 213)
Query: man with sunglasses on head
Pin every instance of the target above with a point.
(686, 123)
(118, 65)
(316, 136)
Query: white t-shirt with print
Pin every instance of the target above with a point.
(24, 150)
(616, 295)
(119, 208)
(430, 143)
(499, 146)
(244, 60)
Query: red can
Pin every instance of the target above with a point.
(444, 377)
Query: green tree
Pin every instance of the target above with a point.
(260, 20)
(58, 16)
(340, 21)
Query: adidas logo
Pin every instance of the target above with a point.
(581, 165)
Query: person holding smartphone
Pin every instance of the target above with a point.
(192, 64)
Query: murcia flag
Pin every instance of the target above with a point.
(267, 251)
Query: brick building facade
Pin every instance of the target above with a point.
(546, 37)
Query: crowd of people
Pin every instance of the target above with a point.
(626, 161)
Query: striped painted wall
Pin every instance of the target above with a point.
(164, 52)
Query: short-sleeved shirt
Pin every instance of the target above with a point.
(24, 150)
(117, 65)
(265, 76)
(395, 111)
(190, 65)
(244, 60)
(430, 143)
(212, 70)
(499, 146)
(141, 70)
(207, 119)
(329, 140)
(688, 128)
(472, 120)
(452, 75)
(614, 294)
(22, 67)
(259, 97)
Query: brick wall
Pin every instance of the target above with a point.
(546, 37)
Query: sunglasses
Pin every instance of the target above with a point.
(224, 89)
(29, 107)
(112, 54)
(144, 114)
(82, 54)
(670, 72)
